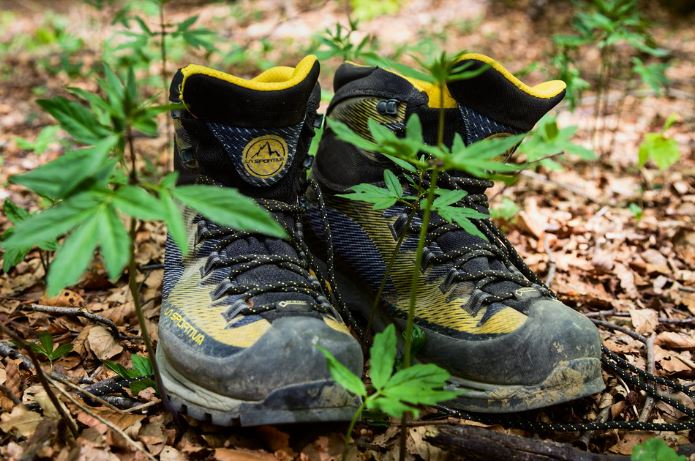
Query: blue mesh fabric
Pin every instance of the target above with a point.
(480, 127)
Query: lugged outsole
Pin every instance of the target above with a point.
(568, 381)
(314, 401)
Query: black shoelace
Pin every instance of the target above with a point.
(312, 284)
(498, 247)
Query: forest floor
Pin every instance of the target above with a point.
(574, 227)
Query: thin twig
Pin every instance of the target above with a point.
(75, 311)
(104, 421)
(551, 261)
(92, 396)
(43, 379)
(649, 402)
(9, 350)
(601, 418)
(145, 405)
(615, 327)
(665, 320)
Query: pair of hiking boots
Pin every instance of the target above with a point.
(242, 313)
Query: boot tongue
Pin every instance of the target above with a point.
(251, 134)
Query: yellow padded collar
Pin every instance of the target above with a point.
(273, 79)
(545, 90)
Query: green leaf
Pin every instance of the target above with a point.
(61, 177)
(507, 210)
(661, 150)
(13, 256)
(392, 183)
(140, 385)
(448, 197)
(76, 119)
(142, 365)
(46, 341)
(54, 222)
(60, 351)
(383, 356)
(413, 129)
(174, 220)
(345, 133)
(379, 197)
(636, 210)
(14, 212)
(114, 241)
(342, 375)
(401, 163)
(228, 207)
(655, 450)
(73, 257)
(136, 201)
(40, 144)
(119, 369)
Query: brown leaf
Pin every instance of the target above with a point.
(153, 437)
(532, 220)
(20, 421)
(102, 343)
(644, 320)
(627, 280)
(675, 340)
(669, 361)
(229, 454)
(13, 379)
(66, 298)
(628, 442)
(171, 454)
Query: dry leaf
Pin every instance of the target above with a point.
(668, 361)
(675, 340)
(102, 343)
(627, 280)
(644, 320)
(229, 454)
(20, 421)
(628, 442)
(67, 298)
(171, 454)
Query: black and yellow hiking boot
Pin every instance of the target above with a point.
(242, 313)
(509, 344)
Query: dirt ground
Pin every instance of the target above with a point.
(574, 227)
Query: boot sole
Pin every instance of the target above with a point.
(568, 381)
(313, 401)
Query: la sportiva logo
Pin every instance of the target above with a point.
(265, 156)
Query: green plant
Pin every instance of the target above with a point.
(622, 37)
(367, 9)
(506, 210)
(636, 210)
(13, 256)
(139, 377)
(340, 42)
(48, 349)
(42, 141)
(96, 188)
(391, 393)
(548, 140)
(659, 148)
(419, 167)
(655, 450)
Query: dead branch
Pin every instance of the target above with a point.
(43, 379)
(74, 311)
(649, 402)
(475, 443)
(627, 331)
(551, 261)
(103, 420)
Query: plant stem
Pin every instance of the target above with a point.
(132, 272)
(348, 434)
(389, 268)
(163, 72)
(42, 378)
(427, 211)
